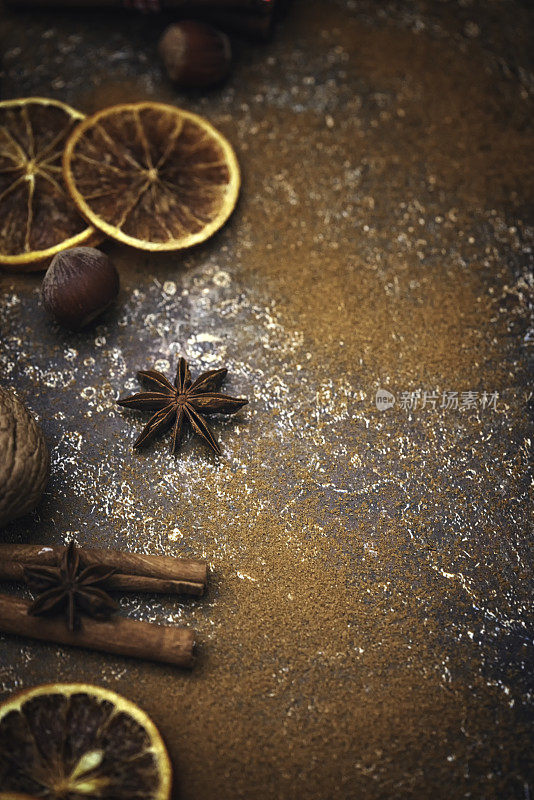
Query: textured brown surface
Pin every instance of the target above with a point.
(365, 632)
(25, 464)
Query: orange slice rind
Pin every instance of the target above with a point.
(151, 175)
(37, 217)
(78, 741)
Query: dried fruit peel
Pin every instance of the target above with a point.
(104, 728)
(151, 175)
(37, 216)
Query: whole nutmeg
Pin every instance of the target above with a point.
(195, 55)
(24, 466)
(79, 284)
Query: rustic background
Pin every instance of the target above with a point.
(365, 633)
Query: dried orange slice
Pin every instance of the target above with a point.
(37, 216)
(151, 175)
(76, 741)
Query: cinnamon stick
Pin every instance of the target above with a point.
(251, 24)
(135, 571)
(250, 18)
(197, 6)
(13, 571)
(121, 636)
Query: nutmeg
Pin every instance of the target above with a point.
(79, 284)
(195, 55)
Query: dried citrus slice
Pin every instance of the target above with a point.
(151, 175)
(76, 741)
(37, 216)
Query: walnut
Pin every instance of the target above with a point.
(24, 465)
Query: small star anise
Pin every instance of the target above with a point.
(70, 588)
(180, 405)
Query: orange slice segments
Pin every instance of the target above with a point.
(78, 741)
(151, 175)
(37, 217)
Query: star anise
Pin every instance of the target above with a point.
(70, 588)
(180, 405)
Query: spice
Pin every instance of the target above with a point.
(70, 588)
(134, 571)
(180, 405)
(80, 284)
(365, 682)
(75, 589)
(125, 637)
(249, 18)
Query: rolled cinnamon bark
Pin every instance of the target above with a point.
(254, 6)
(185, 575)
(199, 7)
(138, 583)
(252, 18)
(13, 571)
(125, 637)
(248, 24)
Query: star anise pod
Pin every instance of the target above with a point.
(180, 405)
(70, 588)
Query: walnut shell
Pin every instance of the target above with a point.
(25, 463)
